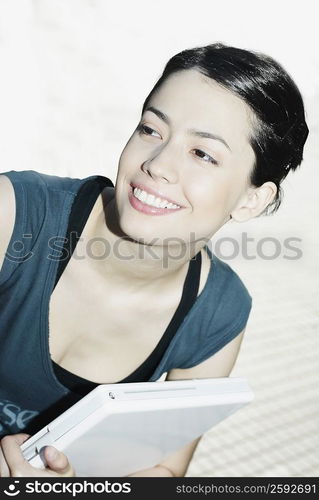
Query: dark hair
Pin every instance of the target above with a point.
(280, 130)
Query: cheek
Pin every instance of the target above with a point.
(132, 154)
(211, 197)
(124, 160)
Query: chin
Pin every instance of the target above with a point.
(139, 233)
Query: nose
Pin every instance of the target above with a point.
(162, 167)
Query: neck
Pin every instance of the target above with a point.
(130, 260)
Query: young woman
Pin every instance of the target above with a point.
(141, 295)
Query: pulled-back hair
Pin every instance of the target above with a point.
(279, 131)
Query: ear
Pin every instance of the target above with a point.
(254, 202)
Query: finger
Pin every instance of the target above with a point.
(10, 453)
(58, 462)
(16, 438)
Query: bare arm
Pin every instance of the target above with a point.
(7, 214)
(219, 365)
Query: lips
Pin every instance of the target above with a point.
(148, 209)
(157, 194)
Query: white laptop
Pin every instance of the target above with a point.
(118, 429)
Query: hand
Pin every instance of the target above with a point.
(13, 464)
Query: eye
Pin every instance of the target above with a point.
(145, 130)
(205, 157)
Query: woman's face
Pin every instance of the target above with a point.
(191, 149)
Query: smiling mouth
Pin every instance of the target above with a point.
(153, 201)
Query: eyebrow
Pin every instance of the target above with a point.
(192, 131)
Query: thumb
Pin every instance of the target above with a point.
(58, 462)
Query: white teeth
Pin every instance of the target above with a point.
(149, 199)
(162, 204)
(142, 195)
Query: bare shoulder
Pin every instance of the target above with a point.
(7, 214)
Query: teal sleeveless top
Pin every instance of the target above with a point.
(31, 391)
